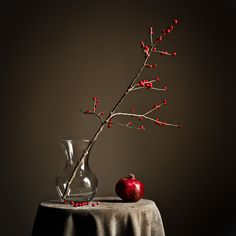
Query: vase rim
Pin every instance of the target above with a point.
(74, 140)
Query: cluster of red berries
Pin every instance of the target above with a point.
(96, 103)
(145, 48)
(167, 30)
(80, 204)
(151, 66)
(145, 83)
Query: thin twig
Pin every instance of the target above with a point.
(152, 88)
(125, 125)
(144, 116)
(92, 113)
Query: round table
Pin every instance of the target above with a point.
(112, 217)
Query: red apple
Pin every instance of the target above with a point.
(129, 188)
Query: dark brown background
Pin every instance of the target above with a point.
(56, 55)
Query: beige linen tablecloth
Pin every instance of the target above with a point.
(112, 217)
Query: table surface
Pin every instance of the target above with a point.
(112, 217)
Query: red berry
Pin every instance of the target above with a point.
(155, 65)
(175, 21)
(72, 203)
(102, 113)
(165, 87)
(109, 125)
(174, 54)
(157, 121)
(154, 49)
(140, 118)
(142, 44)
(130, 123)
(141, 83)
(141, 127)
(149, 85)
(94, 98)
(164, 101)
(157, 78)
(93, 205)
(168, 31)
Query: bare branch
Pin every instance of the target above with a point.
(161, 123)
(125, 125)
(152, 88)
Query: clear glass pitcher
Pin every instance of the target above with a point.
(84, 185)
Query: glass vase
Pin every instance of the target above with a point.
(85, 183)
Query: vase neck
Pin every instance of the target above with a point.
(74, 150)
